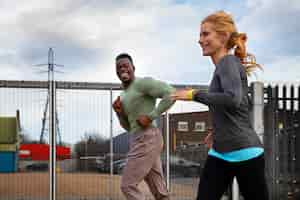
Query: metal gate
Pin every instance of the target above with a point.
(282, 141)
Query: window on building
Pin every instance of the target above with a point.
(182, 126)
(199, 127)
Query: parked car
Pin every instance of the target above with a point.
(119, 166)
(37, 167)
(182, 167)
(104, 166)
(100, 164)
(178, 166)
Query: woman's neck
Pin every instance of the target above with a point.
(218, 56)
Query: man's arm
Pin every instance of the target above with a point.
(117, 106)
(123, 121)
(158, 89)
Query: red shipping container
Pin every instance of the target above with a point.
(40, 152)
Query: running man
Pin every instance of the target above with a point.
(136, 109)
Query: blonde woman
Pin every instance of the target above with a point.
(236, 150)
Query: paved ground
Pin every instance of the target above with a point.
(80, 186)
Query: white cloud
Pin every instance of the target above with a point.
(271, 28)
(282, 70)
(152, 32)
(161, 36)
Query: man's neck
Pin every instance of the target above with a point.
(127, 84)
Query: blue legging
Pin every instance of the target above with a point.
(218, 174)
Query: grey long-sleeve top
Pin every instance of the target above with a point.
(227, 98)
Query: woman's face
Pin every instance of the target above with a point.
(210, 41)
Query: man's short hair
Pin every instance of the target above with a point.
(124, 55)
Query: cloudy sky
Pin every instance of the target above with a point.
(161, 35)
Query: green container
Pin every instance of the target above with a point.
(8, 130)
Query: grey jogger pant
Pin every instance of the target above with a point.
(143, 163)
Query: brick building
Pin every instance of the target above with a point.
(186, 129)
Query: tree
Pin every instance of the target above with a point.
(92, 144)
(25, 138)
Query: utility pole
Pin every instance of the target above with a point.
(50, 72)
(53, 123)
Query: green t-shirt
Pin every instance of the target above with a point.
(139, 98)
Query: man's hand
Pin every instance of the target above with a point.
(117, 105)
(144, 121)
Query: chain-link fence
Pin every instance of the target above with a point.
(91, 147)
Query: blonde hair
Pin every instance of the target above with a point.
(223, 23)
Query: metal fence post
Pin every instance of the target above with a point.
(111, 144)
(258, 108)
(257, 116)
(168, 150)
(235, 190)
(52, 139)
